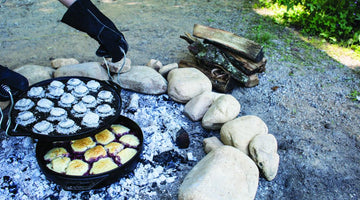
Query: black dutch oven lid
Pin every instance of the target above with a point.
(83, 131)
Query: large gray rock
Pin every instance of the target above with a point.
(211, 144)
(263, 150)
(90, 69)
(240, 131)
(142, 79)
(196, 108)
(164, 70)
(59, 62)
(122, 65)
(35, 73)
(186, 83)
(224, 109)
(223, 174)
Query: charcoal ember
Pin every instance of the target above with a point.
(85, 195)
(169, 159)
(182, 139)
(9, 185)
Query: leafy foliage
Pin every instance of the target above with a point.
(334, 20)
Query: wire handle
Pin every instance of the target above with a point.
(8, 123)
(122, 66)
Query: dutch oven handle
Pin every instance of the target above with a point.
(84, 185)
(115, 86)
(13, 131)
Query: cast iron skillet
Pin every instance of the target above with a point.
(84, 131)
(77, 183)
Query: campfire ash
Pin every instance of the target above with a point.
(162, 162)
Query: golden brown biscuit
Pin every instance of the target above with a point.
(119, 129)
(59, 164)
(114, 147)
(55, 152)
(94, 153)
(104, 137)
(83, 144)
(103, 165)
(125, 155)
(130, 140)
(77, 168)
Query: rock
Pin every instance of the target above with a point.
(223, 174)
(90, 69)
(211, 144)
(263, 150)
(35, 73)
(115, 67)
(167, 68)
(155, 64)
(182, 139)
(224, 109)
(59, 62)
(4, 104)
(240, 131)
(197, 106)
(186, 83)
(142, 79)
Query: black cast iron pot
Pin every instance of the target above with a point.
(88, 182)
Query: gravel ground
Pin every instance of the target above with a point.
(302, 96)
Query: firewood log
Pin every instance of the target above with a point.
(229, 41)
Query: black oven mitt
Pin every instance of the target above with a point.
(84, 16)
(14, 81)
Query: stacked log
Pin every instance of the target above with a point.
(227, 59)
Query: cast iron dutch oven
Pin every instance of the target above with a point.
(84, 131)
(44, 144)
(88, 182)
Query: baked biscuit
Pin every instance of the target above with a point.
(59, 164)
(114, 148)
(77, 168)
(81, 145)
(104, 110)
(125, 155)
(36, 92)
(129, 140)
(90, 120)
(66, 100)
(105, 137)
(44, 105)
(57, 114)
(67, 126)
(44, 127)
(103, 165)
(24, 118)
(95, 153)
(55, 152)
(119, 129)
(93, 85)
(80, 91)
(24, 104)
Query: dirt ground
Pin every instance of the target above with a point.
(302, 96)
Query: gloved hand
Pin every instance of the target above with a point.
(84, 16)
(15, 81)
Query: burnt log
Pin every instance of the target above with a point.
(210, 59)
(229, 41)
(245, 65)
